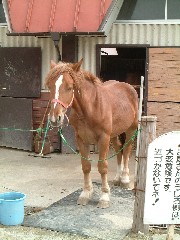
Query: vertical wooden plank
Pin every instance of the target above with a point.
(147, 135)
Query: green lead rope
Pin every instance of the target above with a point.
(18, 129)
(46, 129)
(38, 130)
(66, 143)
(45, 135)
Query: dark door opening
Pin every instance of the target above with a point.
(124, 64)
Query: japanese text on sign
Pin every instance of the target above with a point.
(162, 197)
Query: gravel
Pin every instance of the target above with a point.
(27, 233)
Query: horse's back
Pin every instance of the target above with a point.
(122, 90)
(115, 84)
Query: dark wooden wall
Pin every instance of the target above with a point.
(20, 82)
(20, 72)
(16, 113)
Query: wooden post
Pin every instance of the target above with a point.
(170, 234)
(147, 135)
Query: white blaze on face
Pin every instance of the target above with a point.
(58, 84)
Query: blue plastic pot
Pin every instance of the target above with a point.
(12, 208)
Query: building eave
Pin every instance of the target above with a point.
(110, 16)
(48, 34)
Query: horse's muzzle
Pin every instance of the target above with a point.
(56, 122)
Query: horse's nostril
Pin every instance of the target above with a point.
(59, 118)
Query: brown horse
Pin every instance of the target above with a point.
(99, 113)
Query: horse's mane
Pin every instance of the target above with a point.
(62, 67)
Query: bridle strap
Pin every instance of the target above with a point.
(62, 103)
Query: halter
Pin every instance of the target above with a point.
(62, 103)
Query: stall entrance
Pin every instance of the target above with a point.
(124, 64)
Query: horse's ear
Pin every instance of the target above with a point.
(76, 66)
(53, 64)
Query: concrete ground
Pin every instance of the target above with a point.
(45, 181)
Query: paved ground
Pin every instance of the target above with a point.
(46, 181)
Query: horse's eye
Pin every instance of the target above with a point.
(69, 88)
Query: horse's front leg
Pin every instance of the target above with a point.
(86, 194)
(103, 170)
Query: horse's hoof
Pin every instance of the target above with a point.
(125, 181)
(104, 201)
(116, 182)
(125, 185)
(103, 204)
(84, 197)
(82, 201)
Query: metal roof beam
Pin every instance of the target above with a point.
(48, 34)
(110, 16)
(5, 6)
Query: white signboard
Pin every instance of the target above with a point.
(162, 195)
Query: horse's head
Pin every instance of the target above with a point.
(61, 85)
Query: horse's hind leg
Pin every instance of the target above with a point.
(117, 146)
(126, 154)
(86, 194)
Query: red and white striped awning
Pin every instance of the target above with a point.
(32, 16)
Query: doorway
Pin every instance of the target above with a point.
(124, 63)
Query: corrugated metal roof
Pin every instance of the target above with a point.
(56, 15)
